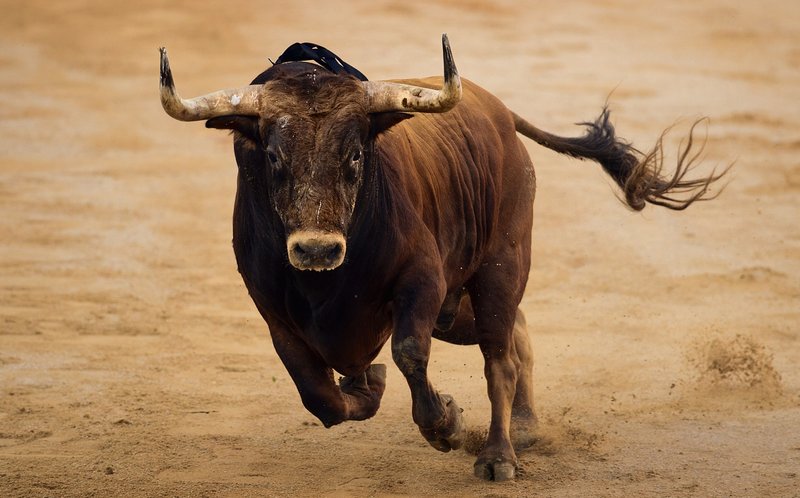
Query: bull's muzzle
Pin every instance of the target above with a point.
(315, 250)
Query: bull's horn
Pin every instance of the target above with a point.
(243, 101)
(384, 96)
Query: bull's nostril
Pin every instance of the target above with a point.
(334, 252)
(299, 250)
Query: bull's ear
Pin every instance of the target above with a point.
(382, 121)
(246, 125)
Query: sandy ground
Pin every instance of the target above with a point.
(132, 362)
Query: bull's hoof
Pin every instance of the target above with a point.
(376, 377)
(450, 433)
(370, 384)
(364, 391)
(495, 469)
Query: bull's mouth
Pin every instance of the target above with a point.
(316, 250)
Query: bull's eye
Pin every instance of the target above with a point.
(272, 158)
(353, 167)
(275, 168)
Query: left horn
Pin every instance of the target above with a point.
(244, 101)
(384, 96)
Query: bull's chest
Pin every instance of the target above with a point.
(346, 330)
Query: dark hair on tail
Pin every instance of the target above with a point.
(640, 175)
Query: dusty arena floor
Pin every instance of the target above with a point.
(133, 363)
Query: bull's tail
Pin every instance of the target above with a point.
(639, 175)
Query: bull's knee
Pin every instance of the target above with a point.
(409, 356)
(427, 407)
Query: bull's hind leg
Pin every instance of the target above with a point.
(495, 292)
(523, 416)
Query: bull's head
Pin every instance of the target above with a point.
(312, 132)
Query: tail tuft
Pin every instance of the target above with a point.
(641, 176)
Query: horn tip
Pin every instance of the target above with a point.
(450, 70)
(166, 73)
(445, 42)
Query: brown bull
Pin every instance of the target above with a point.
(354, 224)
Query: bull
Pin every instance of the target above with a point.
(400, 210)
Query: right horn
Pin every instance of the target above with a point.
(384, 96)
(244, 101)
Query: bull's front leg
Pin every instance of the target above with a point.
(355, 398)
(415, 309)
